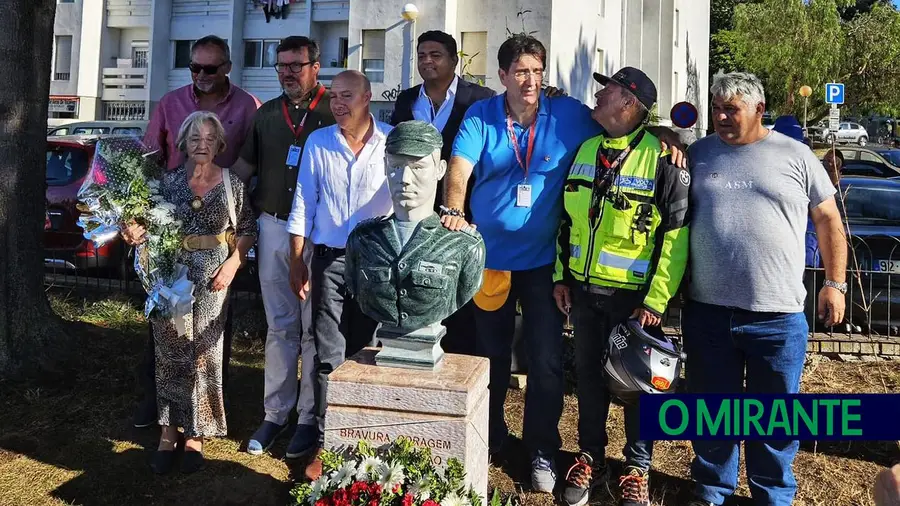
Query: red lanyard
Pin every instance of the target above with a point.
(515, 142)
(312, 105)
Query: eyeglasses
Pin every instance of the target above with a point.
(209, 69)
(294, 67)
(522, 75)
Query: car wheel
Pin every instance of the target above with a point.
(862, 140)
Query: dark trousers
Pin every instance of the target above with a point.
(460, 336)
(340, 328)
(721, 343)
(542, 333)
(594, 317)
(147, 369)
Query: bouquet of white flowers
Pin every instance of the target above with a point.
(123, 187)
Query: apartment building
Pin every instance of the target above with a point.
(114, 59)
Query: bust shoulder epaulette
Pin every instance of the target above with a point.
(472, 232)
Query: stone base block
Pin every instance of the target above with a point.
(445, 410)
(419, 349)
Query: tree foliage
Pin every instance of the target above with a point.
(872, 61)
(791, 43)
(848, 13)
(788, 43)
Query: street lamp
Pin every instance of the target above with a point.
(805, 92)
(410, 13)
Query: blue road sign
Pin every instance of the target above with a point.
(683, 115)
(834, 93)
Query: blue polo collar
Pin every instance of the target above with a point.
(543, 107)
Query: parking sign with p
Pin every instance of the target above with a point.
(834, 93)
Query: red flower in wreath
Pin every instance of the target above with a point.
(407, 500)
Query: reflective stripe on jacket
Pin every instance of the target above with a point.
(641, 245)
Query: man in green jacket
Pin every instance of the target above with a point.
(622, 252)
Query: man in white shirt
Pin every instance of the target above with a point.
(341, 182)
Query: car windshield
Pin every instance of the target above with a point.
(65, 165)
(892, 156)
(872, 204)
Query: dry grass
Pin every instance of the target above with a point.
(72, 442)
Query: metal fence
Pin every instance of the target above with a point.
(111, 270)
(872, 299)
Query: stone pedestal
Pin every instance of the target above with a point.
(445, 409)
(416, 349)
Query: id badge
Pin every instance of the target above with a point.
(523, 195)
(293, 157)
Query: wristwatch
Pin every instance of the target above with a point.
(447, 211)
(841, 287)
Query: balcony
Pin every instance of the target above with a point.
(326, 74)
(124, 82)
(61, 76)
(201, 8)
(330, 10)
(128, 13)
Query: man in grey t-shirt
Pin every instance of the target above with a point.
(752, 193)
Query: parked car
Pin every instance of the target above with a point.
(849, 133)
(65, 248)
(871, 212)
(870, 162)
(100, 127)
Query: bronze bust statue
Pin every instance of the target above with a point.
(406, 270)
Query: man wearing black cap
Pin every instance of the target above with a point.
(623, 246)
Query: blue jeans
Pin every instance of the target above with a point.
(721, 343)
(542, 325)
(594, 317)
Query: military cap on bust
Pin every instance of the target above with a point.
(413, 138)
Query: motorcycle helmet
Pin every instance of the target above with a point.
(641, 360)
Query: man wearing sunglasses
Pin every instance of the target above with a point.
(210, 91)
(272, 153)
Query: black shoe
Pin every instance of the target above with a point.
(162, 461)
(582, 477)
(634, 485)
(192, 462)
(498, 453)
(146, 415)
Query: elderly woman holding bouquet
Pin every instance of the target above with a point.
(219, 229)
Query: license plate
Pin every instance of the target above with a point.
(890, 266)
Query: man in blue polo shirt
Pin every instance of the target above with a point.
(516, 204)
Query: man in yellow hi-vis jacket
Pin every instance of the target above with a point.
(622, 252)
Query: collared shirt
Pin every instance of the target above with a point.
(337, 190)
(521, 238)
(235, 111)
(423, 108)
(268, 145)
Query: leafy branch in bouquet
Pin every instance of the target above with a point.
(398, 474)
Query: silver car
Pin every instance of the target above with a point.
(849, 133)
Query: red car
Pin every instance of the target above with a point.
(65, 248)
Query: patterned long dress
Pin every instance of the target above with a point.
(189, 367)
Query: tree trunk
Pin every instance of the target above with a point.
(31, 336)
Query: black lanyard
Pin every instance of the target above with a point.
(605, 171)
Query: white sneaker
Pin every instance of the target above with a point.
(543, 474)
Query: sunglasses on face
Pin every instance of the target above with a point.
(196, 68)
